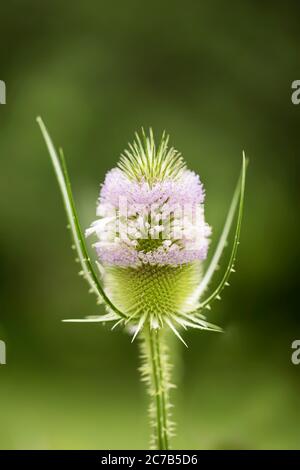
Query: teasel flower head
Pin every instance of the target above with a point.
(151, 234)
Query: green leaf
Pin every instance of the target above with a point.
(61, 172)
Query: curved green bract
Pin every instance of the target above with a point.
(79, 241)
(238, 195)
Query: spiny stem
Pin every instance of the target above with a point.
(162, 439)
(164, 395)
(155, 371)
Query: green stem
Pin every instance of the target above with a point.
(164, 391)
(155, 371)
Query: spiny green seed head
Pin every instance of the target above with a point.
(159, 292)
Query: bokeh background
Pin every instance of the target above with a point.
(217, 77)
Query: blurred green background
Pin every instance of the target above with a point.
(217, 77)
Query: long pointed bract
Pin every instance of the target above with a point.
(240, 192)
(222, 241)
(79, 241)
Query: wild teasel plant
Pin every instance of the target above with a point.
(152, 239)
